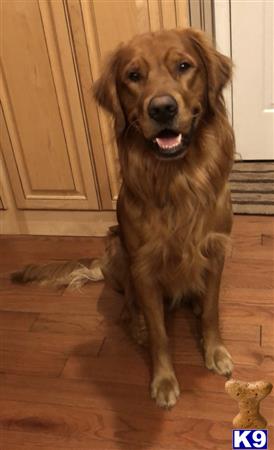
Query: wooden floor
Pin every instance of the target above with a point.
(71, 379)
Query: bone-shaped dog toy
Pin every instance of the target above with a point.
(248, 396)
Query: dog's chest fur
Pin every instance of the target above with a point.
(174, 250)
(168, 212)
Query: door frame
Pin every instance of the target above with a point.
(222, 32)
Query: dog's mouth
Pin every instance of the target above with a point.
(170, 143)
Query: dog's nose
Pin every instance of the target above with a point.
(162, 108)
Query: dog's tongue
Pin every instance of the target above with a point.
(169, 141)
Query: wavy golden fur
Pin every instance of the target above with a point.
(164, 91)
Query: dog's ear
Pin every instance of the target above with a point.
(218, 67)
(105, 90)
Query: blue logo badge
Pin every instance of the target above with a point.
(252, 439)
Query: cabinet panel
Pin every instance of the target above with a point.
(106, 24)
(45, 222)
(50, 165)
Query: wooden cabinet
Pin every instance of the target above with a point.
(59, 154)
(50, 164)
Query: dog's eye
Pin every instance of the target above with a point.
(134, 76)
(183, 66)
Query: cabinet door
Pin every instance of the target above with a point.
(49, 166)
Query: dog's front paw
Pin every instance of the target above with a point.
(165, 390)
(218, 359)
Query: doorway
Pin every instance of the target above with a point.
(244, 30)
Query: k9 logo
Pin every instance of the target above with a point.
(252, 439)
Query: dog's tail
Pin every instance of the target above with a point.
(72, 274)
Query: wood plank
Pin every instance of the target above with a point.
(87, 301)
(183, 323)
(9, 289)
(131, 369)
(248, 240)
(10, 320)
(246, 246)
(113, 394)
(42, 249)
(49, 343)
(246, 273)
(11, 440)
(80, 426)
(27, 363)
(268, 241)
(267, 335)
(42, 353)
(247, 296)
(77, 324)
(136, 365)
(251, 224)
(220, 406)
(33, 441)
(179, 325)
(240, 312)
(189, 351)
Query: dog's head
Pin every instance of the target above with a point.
(162, 84)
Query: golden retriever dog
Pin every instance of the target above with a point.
(176, 149)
